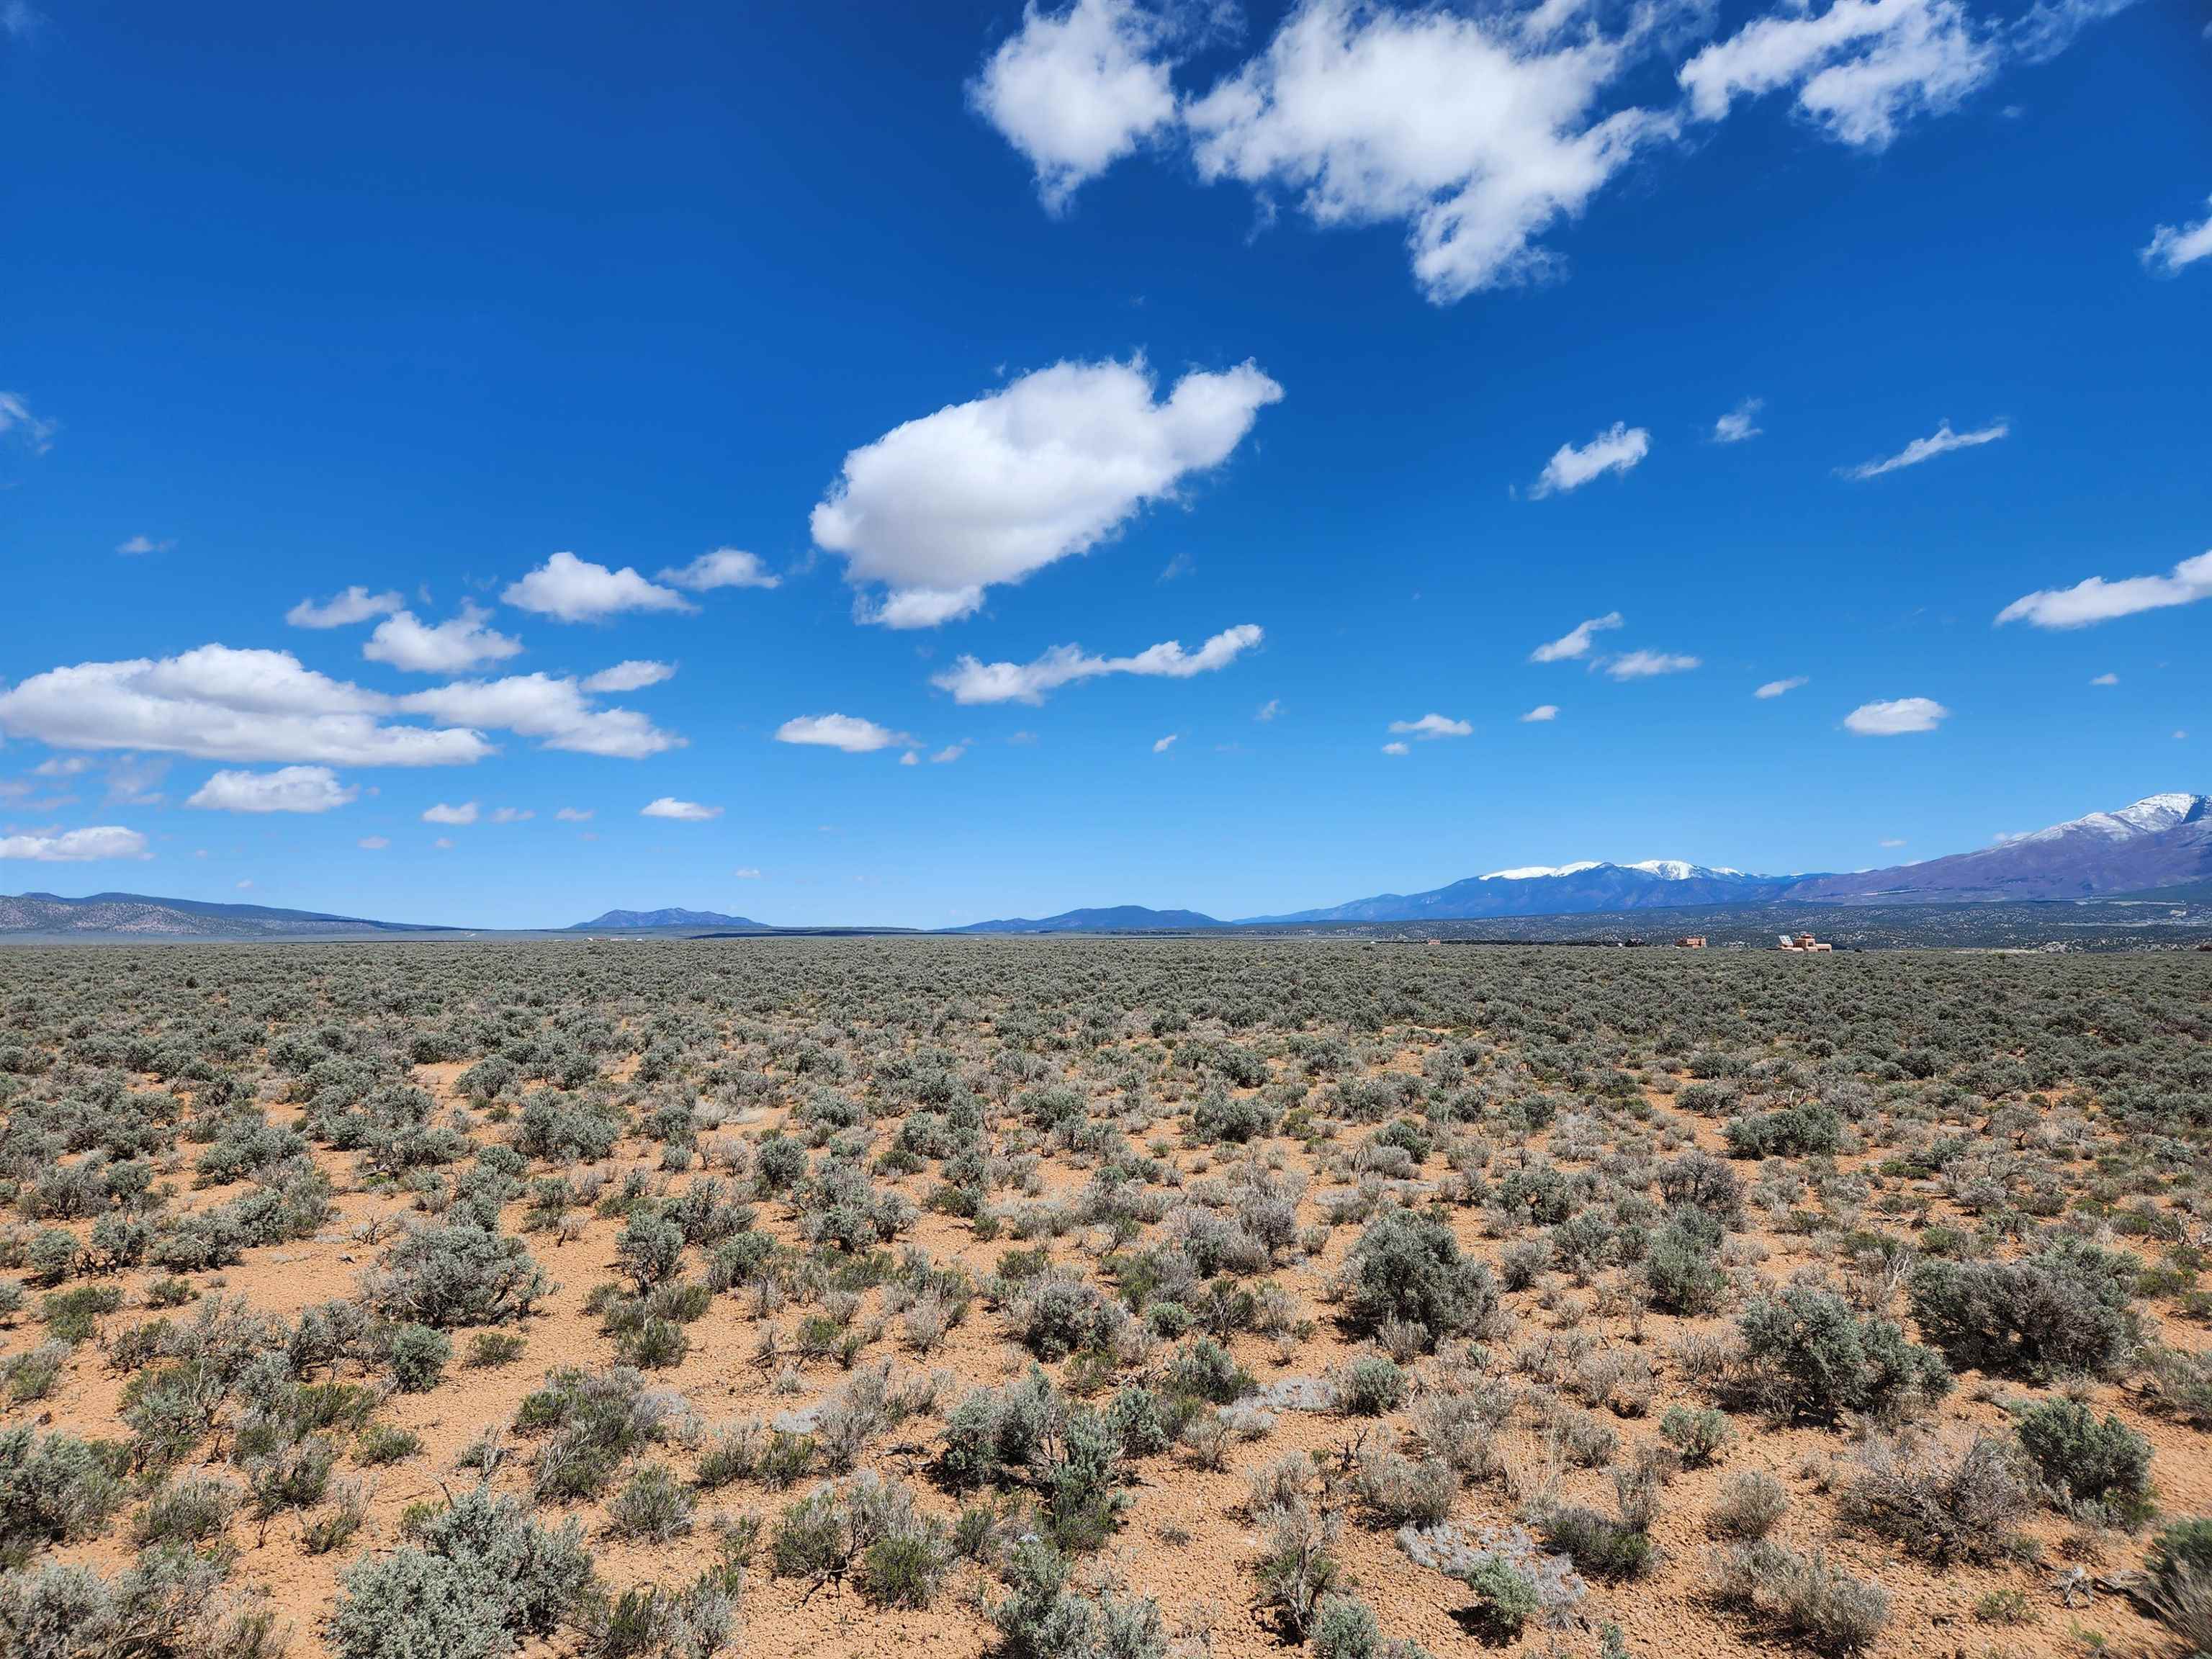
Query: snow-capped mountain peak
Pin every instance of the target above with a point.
(1679, 869)
(1665, 869)
(2152, 815)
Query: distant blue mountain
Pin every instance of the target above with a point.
(2159, 841)
(1113, 919)
(643, 920)
(1557, 891)
(138, 915)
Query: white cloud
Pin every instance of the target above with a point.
(443, 844)
(912, 758)
(1482, 130)
(846, 732)
(1163, 745)
(1896, 718)
(1860, 68)
(992, 490)
(553, 710)
(1942, 441)
(135, 546)
(1074, 91)
(288, 789)
(726, 567)
(218, 703)
(36, 435)
(1269, 709)
(746, 874)
(950, 753)
(1617, 449)
(1740, 423)
(632, 676)
(2106, 679)
(373, 843)
(1541, 713)
(574, 814)
(106, 841)
(2174, 246)
(453, 647)
(64, 766)
(1892, 841)
(1575, 643)
(1781, 688)
(1396, 749)
(1648, 664)
(683, 812)
(572, 590)
(1431, 727)
(973, 682)
(512, 815)
(2095, 599)
(1479, 133)
(441, 813)
(355, 604)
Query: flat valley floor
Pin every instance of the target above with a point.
(819, 1298)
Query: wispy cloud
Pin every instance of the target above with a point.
(135, 546)
(726, 567)
(632, 676)
(2172, 248)
(1649, 664)
(2095, 599)
(1617, 449)
(1782, 687)
(1740, 423)
(17, 421)
(1541, 713)
(356, 604)
(1897, 718)
(1575, 643)
(1431, 727)
(973, 682)
(680, 811)
(1163, 745)
(1942, 441)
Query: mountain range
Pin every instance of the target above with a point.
(639, 921)
(2159, 846)
(1114, 918)
(2160, 842)
(138, 915)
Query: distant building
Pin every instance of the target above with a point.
(1803, 942)
(1691, 941)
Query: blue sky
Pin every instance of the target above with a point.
(1379, 347)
